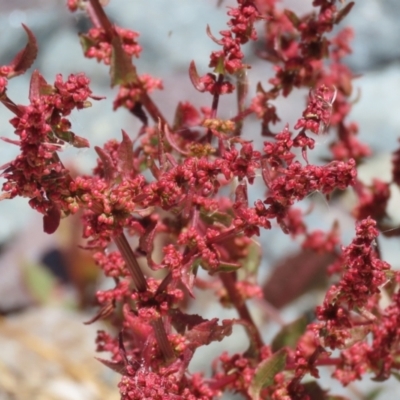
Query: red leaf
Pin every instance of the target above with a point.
(122, 70)
(79, 142)
(186, 115)
(209, 331)
(195, 78)
(182, 322)
(212, 37)
(38, 86)
(343, 12)
(104, 312)
(51, 220)
(25, 58)
(296, 275)
(125, 155)
(146, 243)
(108, 166)
(138, 112)
(11, 141)
(241, 194)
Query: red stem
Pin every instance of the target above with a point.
(149, 105)
(241, 93)
(214, 105)
(162, 340)
(11, 105)
(228, 279)
(131, 262)
(141, 285)
(152, 109)
(224, 235)
(102, 18)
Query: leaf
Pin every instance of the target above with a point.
(122, 70)
(25, 58)
(260, 89)
(182, 322)
(146, 243)
(108, 166)
(337, 398)
(39, 282)
(199, 331)
(374, 393)
(220, 67)
(11, 141)
(38, 86)
(138, 112)
(125, 155)
(208, 332)
(104, 312)
(51, 220)
(225, 266)
(70, 137)
(252, 261)
(195, 78)
(86, 42)
(241, 196)
(294, 19)
(296, 275)
(289, 334)
(265, 373)
(217, 216)
(314, 391)
(212, 37)
(343, 12)
(186, 115)
(78, 141)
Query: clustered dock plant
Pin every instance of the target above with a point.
(168, 185)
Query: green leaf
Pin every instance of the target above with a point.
(39, 282)
(337, 398)
(220, 217)
(266, 372)
(86, 42)
(290, 334)
(227, 267)
(373, 394)
(252, 261)
(220, 67)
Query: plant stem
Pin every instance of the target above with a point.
(162, 340)
(131, 262)
(102, 18)
(242, 85)
(228, 279)
(214, 105)
(152, 109)
(141, 285)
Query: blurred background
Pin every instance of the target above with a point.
(46, 282)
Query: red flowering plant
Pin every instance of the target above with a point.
(167, 187)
